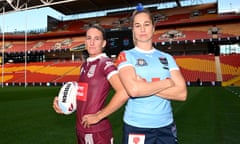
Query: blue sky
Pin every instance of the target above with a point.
(37, 18)
(29, 19)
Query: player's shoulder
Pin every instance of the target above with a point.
(162, 53)
(104, 58)
(129, 52)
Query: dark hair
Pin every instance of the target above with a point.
(136, 12)
(100, 28)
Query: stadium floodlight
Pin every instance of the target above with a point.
(14, 7)
(9, 1)
(17, 6)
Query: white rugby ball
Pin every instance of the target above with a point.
(67, 97)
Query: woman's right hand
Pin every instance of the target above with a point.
(56, 106)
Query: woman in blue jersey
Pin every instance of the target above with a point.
(152, 79)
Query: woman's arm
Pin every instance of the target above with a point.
(178, 91)
(137, 88)
(119, 98)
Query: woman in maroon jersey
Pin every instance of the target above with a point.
(97, 75)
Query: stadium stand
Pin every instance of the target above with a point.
(42, 72)
(191, 38)
(230, 66)
(197, 67)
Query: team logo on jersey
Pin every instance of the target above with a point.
(164, 62)
(141, 62)
(91, 71)
(136, 138)
(121, 58)
(89, 139)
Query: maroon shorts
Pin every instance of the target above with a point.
(102, 137)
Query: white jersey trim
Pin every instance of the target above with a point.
(176, 68)
(111, 74)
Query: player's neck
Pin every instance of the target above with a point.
(145, 46)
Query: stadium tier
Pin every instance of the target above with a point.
(205, 67)
(202, 67)
(41, 72)
(191, 34)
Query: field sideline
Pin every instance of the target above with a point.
(211, 115)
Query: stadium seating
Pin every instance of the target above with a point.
(41, 72)
(230, 66)
(197, 67)
(204, 68)
(70, 34)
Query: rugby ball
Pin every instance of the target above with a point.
(67, 97)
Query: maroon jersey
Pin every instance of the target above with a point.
(94, 75)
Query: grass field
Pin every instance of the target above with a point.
(211, 115)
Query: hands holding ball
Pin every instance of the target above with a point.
(65, 102)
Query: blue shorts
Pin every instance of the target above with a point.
(163, 135)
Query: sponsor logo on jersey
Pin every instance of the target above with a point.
(155, 79)
(121, 58)
(82, 91)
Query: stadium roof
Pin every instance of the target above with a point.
(69, 7)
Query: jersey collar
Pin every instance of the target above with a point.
(90, 59)
(144, 51)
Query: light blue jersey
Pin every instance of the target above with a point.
(150, 111)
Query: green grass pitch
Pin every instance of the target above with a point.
(211, 115)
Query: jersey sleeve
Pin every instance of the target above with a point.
(172, 63)
(124, 59)
(109, 68)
